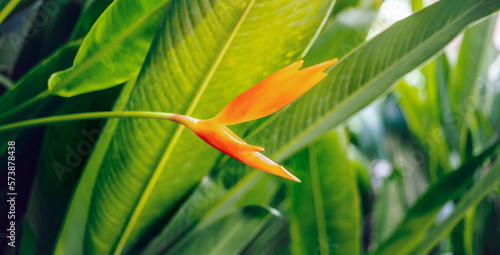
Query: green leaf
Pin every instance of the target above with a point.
(71, 235)
(199, 202)
(114, 50)
(92, 10)
(475, 56)
(324, 210)
(482, 188)
(63, 154)
(228, 235)
(347, 30)
(28, 86)
(13, 36)
(6, 8)
(256, 188)
(156, 160)
(366, 73)
(421, 215)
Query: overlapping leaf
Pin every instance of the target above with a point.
(109, 57)
(205, 54)
(366, 73)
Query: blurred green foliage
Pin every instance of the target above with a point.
(396, 149)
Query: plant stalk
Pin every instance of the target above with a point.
(86, 116)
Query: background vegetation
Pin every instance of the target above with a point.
(396, 148)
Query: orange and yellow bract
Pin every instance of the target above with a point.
(263, 99)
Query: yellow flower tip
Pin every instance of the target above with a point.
(290, 176)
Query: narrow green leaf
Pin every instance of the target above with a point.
(366, 73)
(421, 215)
(324, 210)
(484, 186)
(7, 9)
(475, 56)
(155, 160)
(126, 26)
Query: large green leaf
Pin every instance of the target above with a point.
(422, 214)
(326, 204)
(149, 165)
(366, 73)
(114, 50)
(484, 186)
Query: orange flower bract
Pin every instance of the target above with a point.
(263, 99)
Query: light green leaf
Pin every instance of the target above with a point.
(114, 50)
(155, 160)
(324, 210)
(484, 186)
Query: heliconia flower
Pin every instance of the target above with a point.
(263, 99)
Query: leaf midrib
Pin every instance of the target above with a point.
(94, 58)
(168, 152)
(310, 128)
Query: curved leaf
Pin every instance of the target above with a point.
(326, 204)
(101, 62)
(155, 160)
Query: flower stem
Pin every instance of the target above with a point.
(86, 116)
